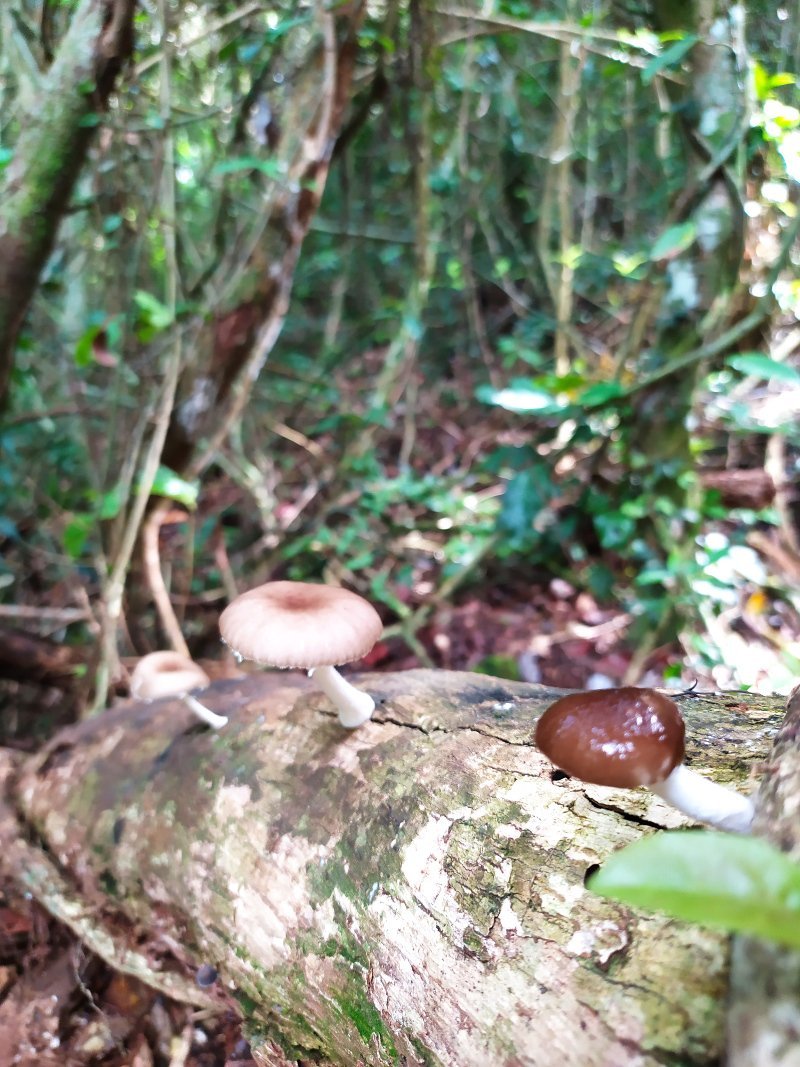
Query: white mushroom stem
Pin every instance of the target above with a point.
(204, 713)
(706, 801)
(354, 706)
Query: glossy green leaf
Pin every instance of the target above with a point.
(168, 483)
(761, 366)
(741, 884)
(674, 241)
(520, 396)
(158, 315)
(671, 57)
(85, 346)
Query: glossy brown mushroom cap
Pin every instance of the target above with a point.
(299, 624)
(618, 737)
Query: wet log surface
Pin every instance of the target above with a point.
(411, 892)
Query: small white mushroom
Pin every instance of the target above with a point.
(164, 674)
(314, 627)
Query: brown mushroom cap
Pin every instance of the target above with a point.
(163, 674)
(299, 624)
(618, 737)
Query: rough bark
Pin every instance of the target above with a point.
(764, 1023)
(408, 893)
(52, 147)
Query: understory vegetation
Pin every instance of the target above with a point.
(487, 311)
(531, 385)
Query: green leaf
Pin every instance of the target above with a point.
(761, 366)
(271, 167)
(674, 241)
(520, 396)
(276, 32)
(741, 884)
(6, 155)
(158, 315)
(525, 496)
(670, 58)
(75, 534)
(110, 503)
(600, 393)
(614, 529)
(168, 483)
(84, 349)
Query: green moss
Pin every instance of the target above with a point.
(109, 884)
(247, 1004)
(367, 1020)
(424, 1053)
(278, 1001)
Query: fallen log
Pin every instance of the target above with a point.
(27, 657)
(411, 892)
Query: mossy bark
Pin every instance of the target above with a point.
(411, 892)
(50, 152)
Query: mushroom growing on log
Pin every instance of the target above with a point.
(162, 674)
(315, 627)
(633, 737)
(411, 892)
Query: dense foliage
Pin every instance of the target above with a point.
(541, 325)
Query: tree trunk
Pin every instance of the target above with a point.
(411, 892)
(764, 1023)
(51, 150)
(243, 321)
(700, 299)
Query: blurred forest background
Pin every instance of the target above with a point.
(487, 311)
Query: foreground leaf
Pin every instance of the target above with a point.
(760, 366)
(741, 884)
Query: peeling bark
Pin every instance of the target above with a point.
(408, 893)
(51, 150)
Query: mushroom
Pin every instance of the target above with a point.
(164, 674)
(630, 737)
(315, 627)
